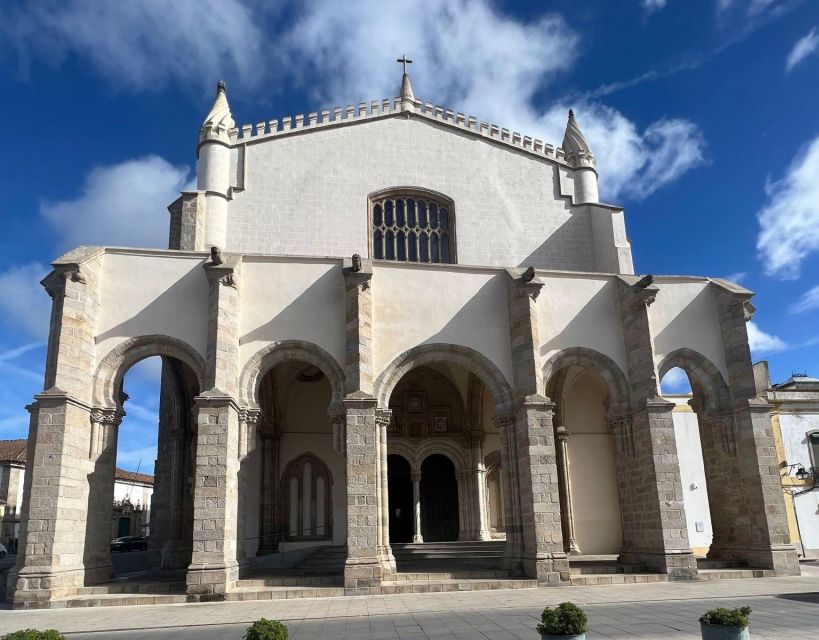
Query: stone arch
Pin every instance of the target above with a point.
(601, 364)
(112, 368)
(706, 379)
(278, 353)
(416, 454)
(465, 357)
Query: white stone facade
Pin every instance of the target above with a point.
(285, 377)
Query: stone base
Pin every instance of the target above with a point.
(678, 565)
(36, 589)
(549, 570)
(98, 574)
(363, 574)
(783, 559)
(210, 582)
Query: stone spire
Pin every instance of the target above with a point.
(219, 119)
(575, 147)
(407, 96)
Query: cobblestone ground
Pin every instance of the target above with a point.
(783, 608)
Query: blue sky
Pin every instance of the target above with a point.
(703, 115)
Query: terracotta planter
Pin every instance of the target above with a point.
(549, 636)
(722, 632)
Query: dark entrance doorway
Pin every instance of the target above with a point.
(439, 499)
(399, 487)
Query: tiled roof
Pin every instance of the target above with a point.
(13, 450)
(130, 476)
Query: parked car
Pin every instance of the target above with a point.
(3, 552)
(129, 543)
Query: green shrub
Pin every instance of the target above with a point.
(567, 619)
(727, 617)
(266, 630)
(34, 634)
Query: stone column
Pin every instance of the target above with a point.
(569, 540)
(534, 453)
(417, 536)
(382, 420)
(60, 474)
(510, 496)
(367, 555)
(214, 562)
(482, 532)
(655, 533)
(761, 537)
(269, 537)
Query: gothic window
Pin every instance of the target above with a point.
(412, 225)
(307, 507)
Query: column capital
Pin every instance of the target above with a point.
(562, 433)
(502, 422)
(383, 417)
(524, 283)
(415, 476)
(223, 269)
(358, 272)
(107, 416)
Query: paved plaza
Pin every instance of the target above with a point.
(783, 608)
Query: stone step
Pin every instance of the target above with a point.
(282, 593)
(440, 586)
(597, 569)
(118, 600)
(703, 563)
(482, 574)
(587, 580)
(733, 574)
(132, 588)
(290, 581)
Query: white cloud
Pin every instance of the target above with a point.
(737, 277)
(804, 47)
(762, 343)
(142, 458)
(789, 221)
(121, 205)
(143, 44)
(27, 304)
(675, 381)
(808, 302)
(650, 6)
(472, 58)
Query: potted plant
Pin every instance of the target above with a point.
(564, 622)
(34, 634)
(265, 629)
(725, 624)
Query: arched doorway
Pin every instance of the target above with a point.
(439, 499)
(399, 479)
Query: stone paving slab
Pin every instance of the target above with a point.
(661, 610)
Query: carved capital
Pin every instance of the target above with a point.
(383, 418)
(338, 422)
(107, 416)
(562, 434)
(503, 422)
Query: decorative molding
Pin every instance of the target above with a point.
(623, 429)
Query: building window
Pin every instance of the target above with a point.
(307, 506)
(813, 448)
(412, 226)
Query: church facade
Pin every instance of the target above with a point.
(393, 324)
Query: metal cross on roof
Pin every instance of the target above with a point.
(403, 60)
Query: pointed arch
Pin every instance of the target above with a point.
(277, 353)
(605, 367)
(464, 357)
(705, 377)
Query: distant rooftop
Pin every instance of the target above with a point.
(799, 381)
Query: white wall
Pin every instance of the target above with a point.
(580, 311)
(419, 305)
(144, 293)
(306, 194)
(794, 427)
(684, 314)
(135, 491)
(291, 299)
(692, 474)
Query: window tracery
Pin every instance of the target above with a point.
(412, 226)
(307, 499)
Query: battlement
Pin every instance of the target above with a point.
(381, 108)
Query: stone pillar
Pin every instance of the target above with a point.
(569, 540)
(655, 533)
(368, 555)
(54, 519)
(269, 450)
(533, 448)
(762, 537)
(482, 532)
(417, 536)
(382, 421)
(214, 562)
(510, 496)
